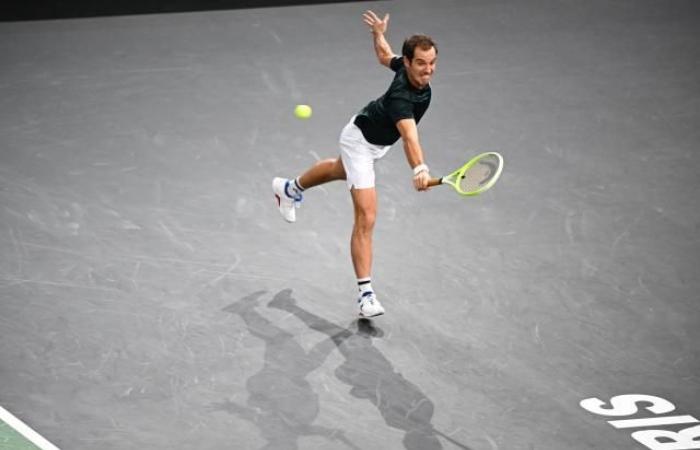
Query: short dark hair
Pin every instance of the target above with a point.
(417, 40)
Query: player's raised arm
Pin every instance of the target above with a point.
(378, 28)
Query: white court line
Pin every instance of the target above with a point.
(25, 431)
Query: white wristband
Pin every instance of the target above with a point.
(420, 168)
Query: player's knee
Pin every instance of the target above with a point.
(365, 219)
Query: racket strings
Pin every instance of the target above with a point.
(480, 174)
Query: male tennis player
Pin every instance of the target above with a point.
(367, 138)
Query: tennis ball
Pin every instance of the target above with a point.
(302, 111)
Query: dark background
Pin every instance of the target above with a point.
(56, 9)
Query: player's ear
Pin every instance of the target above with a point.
(406, 62)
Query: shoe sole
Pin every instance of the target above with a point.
(367, 317)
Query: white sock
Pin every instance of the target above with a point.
(295, 188)
(365, 285)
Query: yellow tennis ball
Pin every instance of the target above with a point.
(302, 111)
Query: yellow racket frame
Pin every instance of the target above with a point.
(454, 178)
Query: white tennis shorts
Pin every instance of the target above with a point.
(358, 156)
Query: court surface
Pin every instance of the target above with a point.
(151, 297)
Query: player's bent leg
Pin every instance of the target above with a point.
(288, 193)
(322, 172)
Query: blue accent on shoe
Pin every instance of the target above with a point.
(299, 198)
(364, 294)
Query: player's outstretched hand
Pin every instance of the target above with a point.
(376, 24)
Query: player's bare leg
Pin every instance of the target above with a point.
(322, 172)
(365, 204)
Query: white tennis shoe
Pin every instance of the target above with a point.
(286, 203)
(369, 305)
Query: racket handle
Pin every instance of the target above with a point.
(434, 182)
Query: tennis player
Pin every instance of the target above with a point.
(366, 139)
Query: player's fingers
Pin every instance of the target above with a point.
(386, 18)
(371, 14)
(424, 179)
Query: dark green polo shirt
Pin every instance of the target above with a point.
(378, 119)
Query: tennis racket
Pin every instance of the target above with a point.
(476, 176)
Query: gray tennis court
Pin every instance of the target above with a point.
(151, 296)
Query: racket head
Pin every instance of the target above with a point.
(478, 175)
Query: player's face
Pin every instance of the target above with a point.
(421, 69)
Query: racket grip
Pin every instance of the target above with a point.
(434, 182)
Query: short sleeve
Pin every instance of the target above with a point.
(396, 63)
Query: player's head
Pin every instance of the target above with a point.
(420, 41)
(419, 56)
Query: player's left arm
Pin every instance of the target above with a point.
(378, 27)
(414, 153)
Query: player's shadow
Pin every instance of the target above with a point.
(281, 402)
(371, 376)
